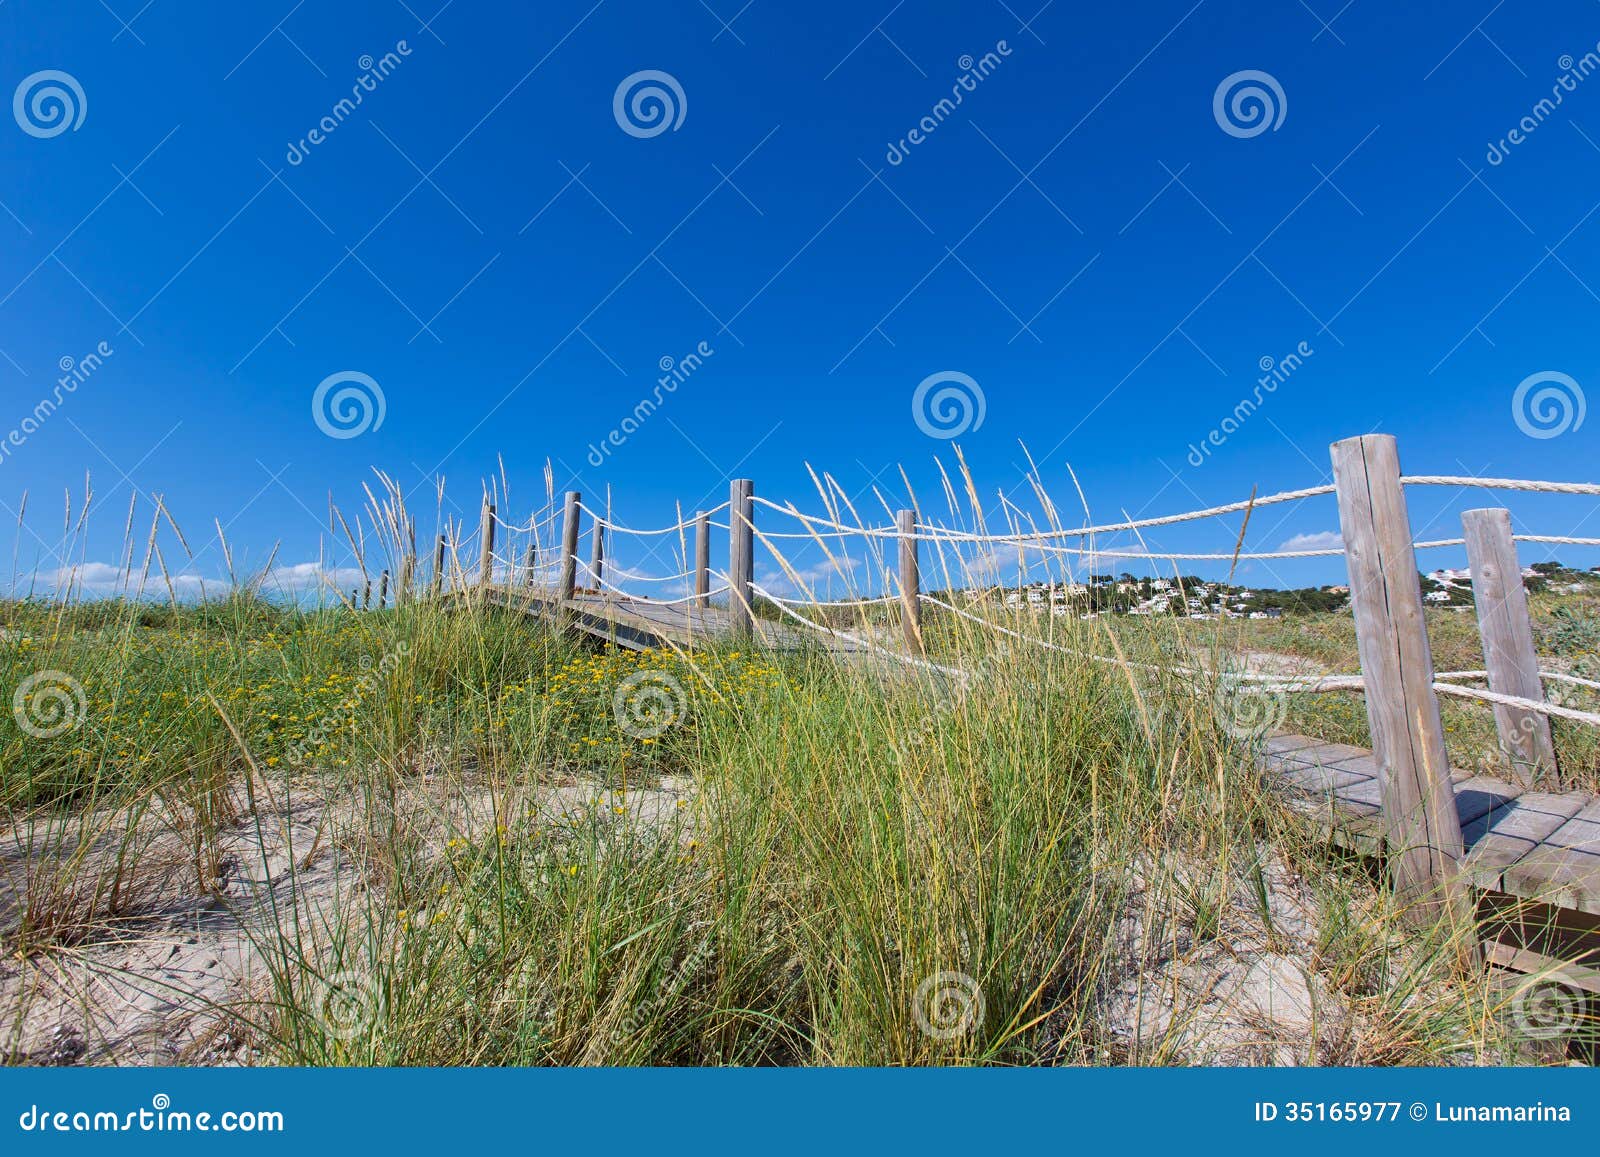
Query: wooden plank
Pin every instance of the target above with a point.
(1328, 754)
(1283, 743)
(741, 555)
(1314, 779)
(1563, 876)
(1507, 834)
(1478, 796)
(910, 582)
(1507, 633)
(597, 555)
(1536, 963)
(1423, 834)
(1582, 831)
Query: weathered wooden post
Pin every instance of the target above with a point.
(1423, 828)
(910, 582)
(702, 559)
(1507, 635)
(567, 582)
(486, 540)
(438, 567)
(741, 556)
(597, 553)
(408, 574)
(530, 568)
(383, 590)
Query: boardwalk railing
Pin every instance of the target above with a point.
(1422, 829)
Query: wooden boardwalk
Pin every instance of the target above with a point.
(1533, 856)
(640, 623)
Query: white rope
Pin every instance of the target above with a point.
(842, 604)
(1553, 676)
(655, 602)
(812, 520)
(1538, 705)
(1047, 645)
(1502, 484)
(618, 528)
(936, 533)
(923, 664)
(1563, 677)
(1150, 552)
(1141, 523)
(1558, 539)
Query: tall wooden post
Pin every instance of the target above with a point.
(438, 566)
(1422, 825)
(702, 559)
(383, 590)
(910, 582)
(530, 568)
(597, 553)
(408, 575)
(741, 556)
(1507, 635)
(567, 582)
(486, 539)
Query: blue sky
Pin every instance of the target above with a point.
(1082, 237)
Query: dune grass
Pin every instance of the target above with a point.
(851, 866)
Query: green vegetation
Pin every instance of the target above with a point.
(1049, 847)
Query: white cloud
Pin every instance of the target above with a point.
(104, 578)
(1321, 540)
